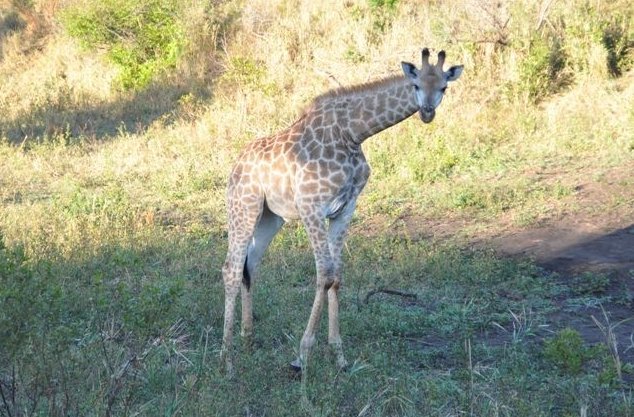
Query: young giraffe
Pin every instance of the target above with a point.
(314, 171)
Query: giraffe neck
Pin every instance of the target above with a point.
(365, 110)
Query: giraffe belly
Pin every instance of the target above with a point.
(282, 204)
(285, 206)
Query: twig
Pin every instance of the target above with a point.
(388, 291)
(467, 344)
(542, 13)
(330, 76)
(118, 378)
(13, 385)
(631, 346)
(499, 41)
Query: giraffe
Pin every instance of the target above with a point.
(314, 171)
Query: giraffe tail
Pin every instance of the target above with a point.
(246, 277)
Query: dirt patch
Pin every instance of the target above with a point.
(592, 240)
(572, 247)
(587, 241)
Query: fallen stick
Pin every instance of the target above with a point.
(388, 291)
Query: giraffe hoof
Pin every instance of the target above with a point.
(296, 365)
(343, 365)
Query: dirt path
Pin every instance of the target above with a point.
(574, 246)
(595, 241)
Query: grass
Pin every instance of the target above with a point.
(136, 330)
(112, 224)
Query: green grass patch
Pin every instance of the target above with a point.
(113, 226)
(135, 329)
(143, 39)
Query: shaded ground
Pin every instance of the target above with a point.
(596, 242)
(591, 245)
(574, 247)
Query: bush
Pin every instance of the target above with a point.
(143, 39)
(540, 70)
(589, 283)
(604, 27)
(566, 351)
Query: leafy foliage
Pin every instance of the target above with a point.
(604, 29)
(590, 283)
(144, 39)
(566, 351)
(541, 68)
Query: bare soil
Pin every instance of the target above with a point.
(574, 246)
(597, 238)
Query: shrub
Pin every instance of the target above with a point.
(566, 351)
(249, 74)
(387, 4)
(602, 29)
(589, 283)
(13, 275)
(541, 67)
(143, 39)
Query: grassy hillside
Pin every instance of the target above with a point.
(112, 223)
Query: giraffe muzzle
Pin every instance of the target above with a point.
(426, 114)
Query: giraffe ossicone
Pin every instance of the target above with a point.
(314, 171)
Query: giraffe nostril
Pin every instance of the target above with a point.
(427, 116)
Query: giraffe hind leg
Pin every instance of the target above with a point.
(267, 227)
(242, 223)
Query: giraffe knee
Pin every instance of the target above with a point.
(226, 269)
(329, 277)
(333, 284)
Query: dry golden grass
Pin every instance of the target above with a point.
(249, 71)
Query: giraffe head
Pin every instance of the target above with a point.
(430, 82)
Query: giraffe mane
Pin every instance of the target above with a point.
(350, 90)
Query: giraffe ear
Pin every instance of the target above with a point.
(410, 70)
(453, 73)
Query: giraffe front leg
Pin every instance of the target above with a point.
(316, 229)
(246, 330)
(334, 337)
(337, 232)
(309, 338)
